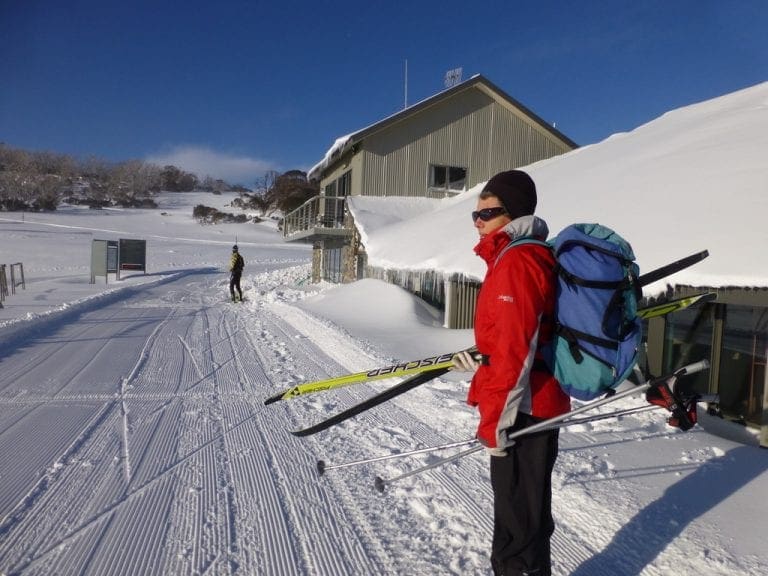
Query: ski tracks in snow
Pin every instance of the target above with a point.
(158, 455)
(149, 450)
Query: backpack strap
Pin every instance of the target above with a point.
(539, 365)
(519, 242)
(573, 336)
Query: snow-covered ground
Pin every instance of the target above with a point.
(134, 438)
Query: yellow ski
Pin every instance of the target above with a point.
(393, 371)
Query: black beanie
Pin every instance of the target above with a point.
(516, 191)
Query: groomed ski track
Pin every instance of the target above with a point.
(158, 456)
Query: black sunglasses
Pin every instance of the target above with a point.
(488, 213)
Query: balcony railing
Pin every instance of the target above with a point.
(318, 217)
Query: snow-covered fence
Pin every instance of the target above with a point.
(17, 279)
(454, 294)
(764, 427)
(3, 284)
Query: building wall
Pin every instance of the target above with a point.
(471, 130)
(350, 161)
(350, 258)
(317, 262)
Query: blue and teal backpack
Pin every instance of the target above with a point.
(597, 331)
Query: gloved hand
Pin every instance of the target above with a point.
(464, 361)
(496, 452)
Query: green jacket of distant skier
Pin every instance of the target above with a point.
(236, 263)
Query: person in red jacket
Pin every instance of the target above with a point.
(512, 387)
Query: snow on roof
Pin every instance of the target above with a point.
(337, 147)
(695, 178)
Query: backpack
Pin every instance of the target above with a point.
(597, 331)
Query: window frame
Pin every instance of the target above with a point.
(439, 177)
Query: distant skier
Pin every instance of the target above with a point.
(236, 265)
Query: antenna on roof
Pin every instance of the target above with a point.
(453, 77)
(406, 84)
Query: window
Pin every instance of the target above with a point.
(742, 332)
(341, 186)
(688, 338)
(743, 361)
(450, 178)
(333, 208)
(332, 265)
(344, 184)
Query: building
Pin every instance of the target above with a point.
(434, 149)
(693, 179)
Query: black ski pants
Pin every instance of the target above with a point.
(522, 491)
(234, 282)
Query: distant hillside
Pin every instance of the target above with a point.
(42, 180)
(34, 181)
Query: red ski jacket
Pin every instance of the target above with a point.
(513, 319)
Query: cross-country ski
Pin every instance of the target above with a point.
(433, 363)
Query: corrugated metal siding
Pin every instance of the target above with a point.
(481, 146)
(472, 131)
(350, 162)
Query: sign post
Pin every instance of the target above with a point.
(99, 260)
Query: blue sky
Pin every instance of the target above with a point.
(234, 88)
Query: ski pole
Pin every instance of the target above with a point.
(381, 483)
(556, 422)
(322, 466)
(628, 411)
(617, 414)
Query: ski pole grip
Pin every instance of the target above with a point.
(693, 368)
